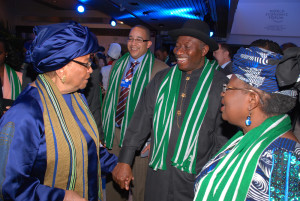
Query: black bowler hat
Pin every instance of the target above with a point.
(197, 29)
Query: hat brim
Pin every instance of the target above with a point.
(213, 45)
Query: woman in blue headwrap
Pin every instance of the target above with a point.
(261, 162)
(49, 148)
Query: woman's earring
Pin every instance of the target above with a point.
(248, 120)
(63, 79)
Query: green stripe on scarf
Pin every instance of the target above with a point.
(14, 82)
(185, 153)
(231, 178)
(140, 79)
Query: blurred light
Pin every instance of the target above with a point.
(183, 12)
(211, 34)
(80, 8)
(113, 22)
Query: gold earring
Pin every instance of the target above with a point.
(63, 79)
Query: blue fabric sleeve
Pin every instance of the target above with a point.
(25, 153)
(108, 161)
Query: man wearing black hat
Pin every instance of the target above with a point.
(181, 108)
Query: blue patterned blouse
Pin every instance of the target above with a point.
(277, 175)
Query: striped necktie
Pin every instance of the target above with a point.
(123, 94)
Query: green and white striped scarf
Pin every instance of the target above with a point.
(139, 81)
(185, 153)
(14, 82)
(231, 178)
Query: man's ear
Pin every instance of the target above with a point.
(205, 50)
(149, 43)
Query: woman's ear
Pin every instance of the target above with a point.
(254, 100)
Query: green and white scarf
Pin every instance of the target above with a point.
(14, 82)
(140, 79)
(231, 178)
(185, 153)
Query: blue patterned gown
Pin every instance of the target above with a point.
(23, 167)
(277, 175)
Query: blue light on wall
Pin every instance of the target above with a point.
(211, 34)
(80, 8)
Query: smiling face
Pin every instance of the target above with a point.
(190, 53)
(76, 75)
(135, 48)
(235, 103)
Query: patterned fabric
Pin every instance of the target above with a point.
(55, 45)
(140, 79)
(65, 138)
(256, 67)
(124, 93)
(185, 153)
(14, 81)
(281, 159)
(231, 178)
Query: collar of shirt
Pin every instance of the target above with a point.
(224, 65)
(133, 60)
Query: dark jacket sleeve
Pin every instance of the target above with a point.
(140, 125)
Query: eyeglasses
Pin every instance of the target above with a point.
(225, 88)
(138, 40)
(87, 65)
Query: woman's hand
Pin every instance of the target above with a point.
(73, 196)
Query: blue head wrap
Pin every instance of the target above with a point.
(251, 65)
(56, 45)
(257, 67)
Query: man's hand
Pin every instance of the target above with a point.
(73, 196)
(122, 175)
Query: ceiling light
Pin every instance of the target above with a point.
(80, 8)
(113, 22)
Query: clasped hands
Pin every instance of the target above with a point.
(122, 175)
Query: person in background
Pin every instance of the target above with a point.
(51, 142)
(180, 107)
(163, 54)
(261, 161)
(128, 78)
(223, 56)
(268, 45)
(285, 46)
(100, 55)
(113, 53)
(10, 75)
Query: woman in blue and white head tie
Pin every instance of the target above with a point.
(51, 141)
(260, 162)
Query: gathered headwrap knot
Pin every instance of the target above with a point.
(257, 67)
(56, 45)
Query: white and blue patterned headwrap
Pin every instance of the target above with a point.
(257, 67)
